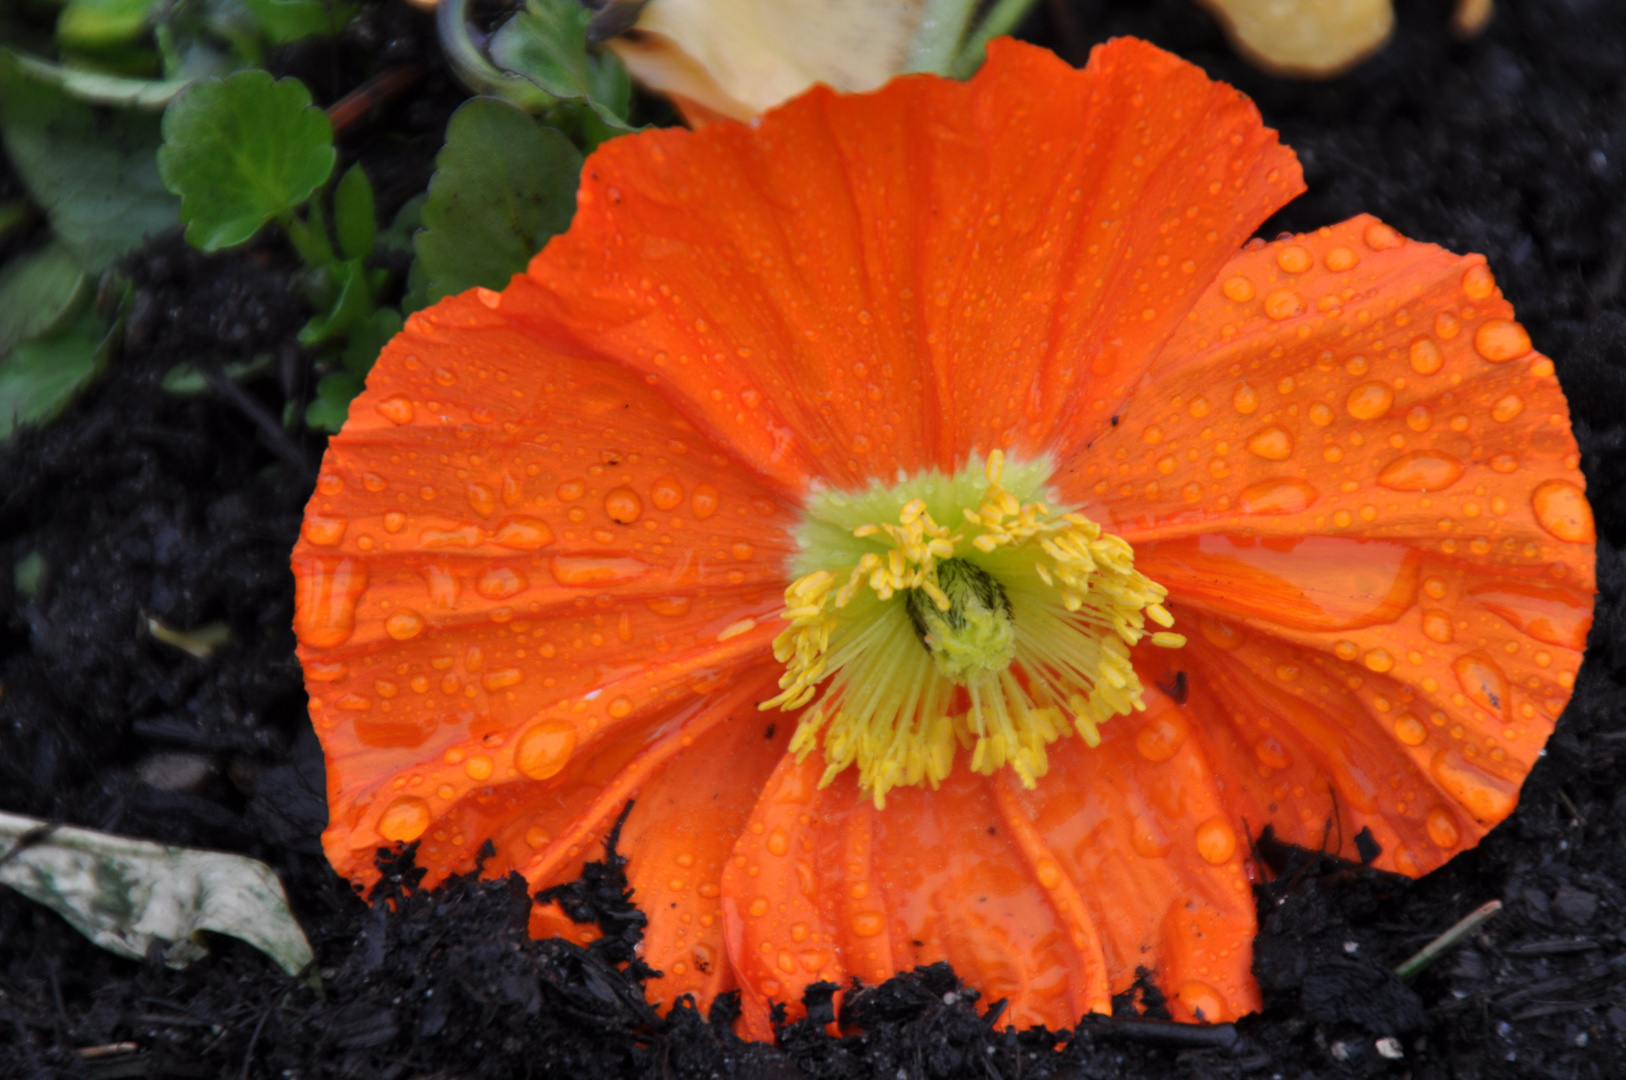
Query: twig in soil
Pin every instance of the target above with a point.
(280, 443)
(1448, 940)
(375, 91)
(1578, 817)
(1162, 1032)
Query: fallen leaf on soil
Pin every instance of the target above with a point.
(126, 895)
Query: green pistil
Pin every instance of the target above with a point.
(976, 636)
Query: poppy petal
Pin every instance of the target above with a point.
(1122, 859)
(840, 291)
(1358, 483)
(514, 555)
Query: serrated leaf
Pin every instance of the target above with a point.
(38, 292)
(127, 895)
(39, 378)
(93, 174)
(547, 44)
(355, 218)
(243, 151)
(503, 186)
(331, 407)
(352, 305)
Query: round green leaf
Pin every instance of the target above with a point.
(242, 151)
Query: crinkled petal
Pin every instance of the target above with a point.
(1357, 480)
(517, 558)
(858, 285)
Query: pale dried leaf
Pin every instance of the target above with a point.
(1307, 38)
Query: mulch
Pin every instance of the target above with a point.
(148, 505)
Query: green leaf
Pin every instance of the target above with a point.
(354, 216)
(38, 292)
(39, 378)
(408, 220)
(283, 21)
(352, 306)
(243, 151)
(547, 44)
(503, 186)
(332, 404)
(185, 380)
(93, 174)
(97, 25)
(128, 895)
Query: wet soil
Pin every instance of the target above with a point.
(145, 505)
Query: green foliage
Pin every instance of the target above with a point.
(243, 151)
(38, 292)
(38, 378)
(355, 217)
(283, 21)
(503, 186)
(99, 25)
(94, 175)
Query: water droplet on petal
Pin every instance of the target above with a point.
(1442, 828)
(1340, 259)
(671, 606)
(327, 593)
(1487, 798)
(1507, 407)
(1202, 1001)
(1161, 738)
(1426, 357)
(1437, 627)
(500, 582)
(1245, 400)
(705, 501)
(1283, 304)
(1410, 730)
(1501, 340)
(666, 493)
(478, 767)
(403, 625)
(1421, 470)
(1294, 259)
(1238, 289)
(1272, 443)
(523, 534)
(404, 820)
(1369, 401)
(544, 748)
(397, 410)
(323, 531)
(1380, 237)
(1478, 282)
(1561, 509)
(1216, 841)
(1482, 681)
(582, 570)
(868, 923)
(481, 499)
(623, 506)
(1283, 496)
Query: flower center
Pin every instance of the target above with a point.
(909, 640)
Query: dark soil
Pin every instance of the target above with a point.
(143, 504)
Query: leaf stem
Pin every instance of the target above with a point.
(1001, 19)
(943, 25)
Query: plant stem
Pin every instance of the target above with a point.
(1448, 940)
(1001, 19)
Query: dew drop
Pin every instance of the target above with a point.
(394, 521)
(544, 748)
(478, 767)
(1245, 400)
(1487, 798)
(1507, 407)
(481, 500)
(670, 606)
(1379, 660)
(536, 836)
(868, 923)
(576, 571)
(1442, 828)
(397, 410)
(778, 842)
(1369, 401)
(1283, 304)
(1426, 357)
(1216, 841)
(1281, 496)
(1272, 443)
(1501, 340)
(404, 820)
(323, 531)
(704, 502)
(523, 534)
(1562, 510)
(1219, 634)
(1380, 237)
(1482, 681)
(1048, 873)
(623, 506)
(1340, 259)
(666, 493)
(1437, 627)
(325, 607)
(500, 582)
(1478, 282)
(1237, 289)
(1410, 730)
(404, 625)
(1321, 414)
(1294, 259)
(1421, 470)
(1202, 1001)
(1161, 738)
(1271, 752)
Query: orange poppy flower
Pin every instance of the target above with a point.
(952, 542)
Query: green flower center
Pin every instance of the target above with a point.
(910, 641)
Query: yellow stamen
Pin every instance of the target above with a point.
(910, 641)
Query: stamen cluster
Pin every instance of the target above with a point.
(899, 703)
